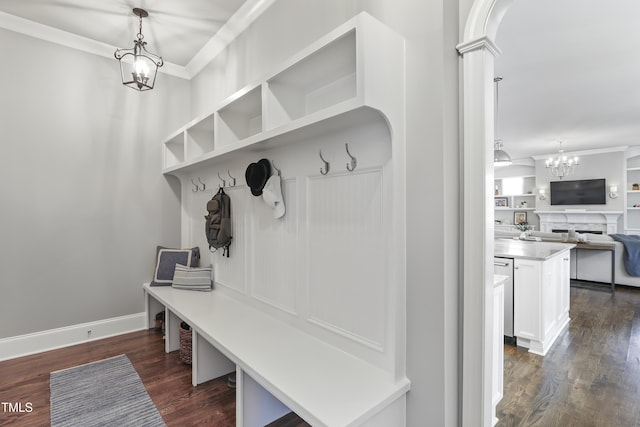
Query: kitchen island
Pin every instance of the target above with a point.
(541, 281)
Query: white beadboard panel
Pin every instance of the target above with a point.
(197, 202)
(230, 272)
(346, 263)
(274, 252)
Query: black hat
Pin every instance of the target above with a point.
(257, 175)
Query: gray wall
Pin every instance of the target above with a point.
(84, 202)
(610, 166)
(84, 190)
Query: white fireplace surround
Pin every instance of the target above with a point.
(579, 220)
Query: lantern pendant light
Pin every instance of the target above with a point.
(138, 67)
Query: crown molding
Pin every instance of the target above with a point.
(483, 42)
(240, 21)
(583, 152)
(73, 41)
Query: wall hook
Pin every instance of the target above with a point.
(195, 186)
(233, 179)
(326, 164)
(275, 168)
(203, 186)
(224, 183)
(354, 162)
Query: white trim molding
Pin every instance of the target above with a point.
(24, 345)
(240, 21)
(605, 221)
(478, 50)
(479, 43)
(583, 152)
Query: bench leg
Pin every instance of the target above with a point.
(207, 362)
(171, 332)
(255, 406)
(152, 307)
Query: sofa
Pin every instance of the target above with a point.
(589, 265)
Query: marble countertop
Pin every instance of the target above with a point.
(509, 248)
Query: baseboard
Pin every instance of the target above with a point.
(24, 345)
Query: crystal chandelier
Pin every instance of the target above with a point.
(561, 165)
(142, 65)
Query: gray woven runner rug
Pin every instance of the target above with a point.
(104, 393)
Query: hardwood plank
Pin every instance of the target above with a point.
(166, 378)
(590, 377)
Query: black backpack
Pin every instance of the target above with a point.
(217, 224)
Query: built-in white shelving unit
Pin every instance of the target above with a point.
(346, 88)
(507, 204)
(320, 89)
(632, 197)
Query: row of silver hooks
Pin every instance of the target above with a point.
(201, 186)
(232, 180)
(198, 187)
(351, 165)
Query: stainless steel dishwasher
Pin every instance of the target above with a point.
(504, 266)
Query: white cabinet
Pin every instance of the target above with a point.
(527, 299)
(497, 379)
(541, 301)
(565, 277)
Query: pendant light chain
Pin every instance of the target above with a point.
(497, 81)
(140, 35)
(500, 157)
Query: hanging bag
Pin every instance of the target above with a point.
(218, 222)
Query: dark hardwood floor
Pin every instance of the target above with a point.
(590, 377)
(167, 379)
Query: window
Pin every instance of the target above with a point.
(512, 186)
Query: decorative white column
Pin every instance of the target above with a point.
(478, 51)
(477, 262)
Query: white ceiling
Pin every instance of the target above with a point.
(571, 72)
(178, 30)
(570, 68)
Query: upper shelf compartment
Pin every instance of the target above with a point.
(240, 118)
(323, 79)
(358, 65)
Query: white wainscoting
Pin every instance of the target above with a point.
(274, 252)
(231, 271)
(325, 266)
(346, 274)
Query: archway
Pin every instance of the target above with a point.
(478, 51)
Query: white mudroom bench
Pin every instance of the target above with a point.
(279, 368)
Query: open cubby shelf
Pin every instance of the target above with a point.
(343, 76)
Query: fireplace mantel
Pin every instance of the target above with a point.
(579, 220)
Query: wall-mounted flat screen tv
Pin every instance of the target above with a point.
(581, 192)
